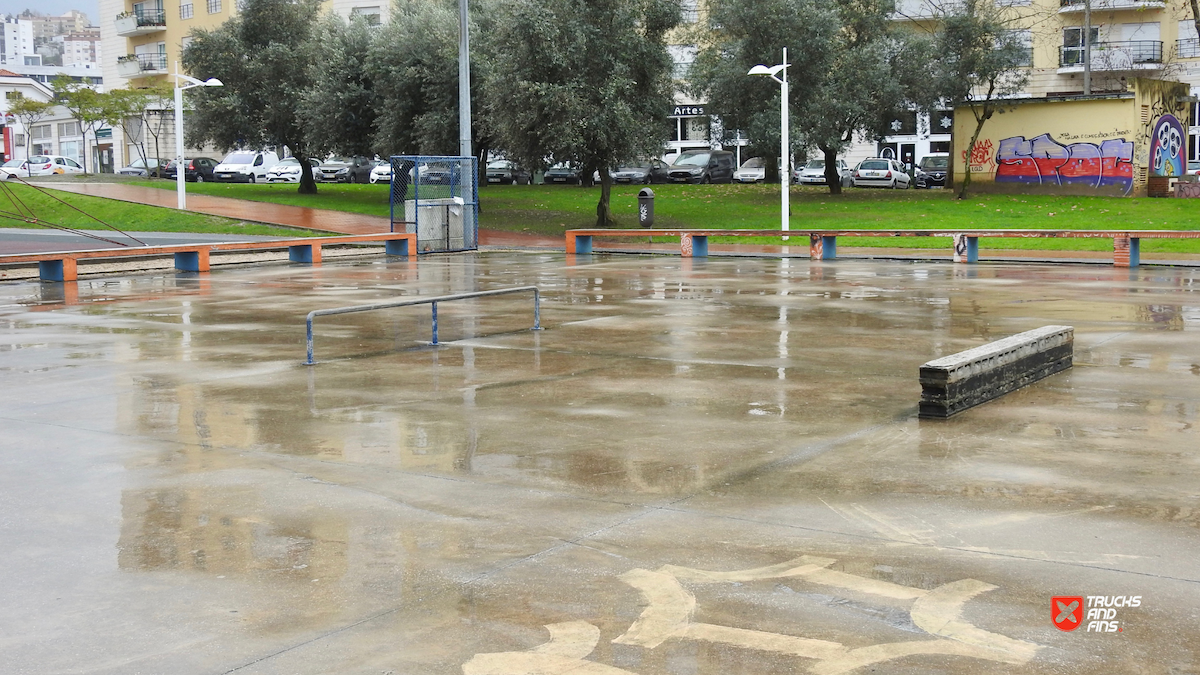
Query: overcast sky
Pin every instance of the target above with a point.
(53, 7)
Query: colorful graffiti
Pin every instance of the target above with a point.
(1045, 161)
(1166, 147)
(981, 156)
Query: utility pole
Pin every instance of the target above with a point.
(464, 82)
(1087, 47)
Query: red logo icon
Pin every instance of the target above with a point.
(1066, 611)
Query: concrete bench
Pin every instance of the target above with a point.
(64, 265)
(822, 244)
(954, 383)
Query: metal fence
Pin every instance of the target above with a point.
(1122, 55)
(436, 198)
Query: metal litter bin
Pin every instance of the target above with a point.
(646, 207)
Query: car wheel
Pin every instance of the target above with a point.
(199, 178)
(251, 178)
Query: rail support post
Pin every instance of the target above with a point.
(966, 249)
(822, 247)
(579, 243)
(305, 253)
(63, 269)
(1126, 251)
(192, 261)
(396, 247)
(693, 245)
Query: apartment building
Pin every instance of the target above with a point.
(80, 47)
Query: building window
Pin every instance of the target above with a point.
(68, 129)
(42, 132)
(1072, 49)
(1024, 37)
(13, 95)
(690, 10)
(371, 15)
(214, 6)
(42, 149)
(70, 149)
(695, 128)
(19, 140)
(185, 11)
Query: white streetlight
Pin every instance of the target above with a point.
(180, 169)
(784, 149)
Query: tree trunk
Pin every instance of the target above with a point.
(308, 186)
(833, 177)
(603, 209)
(979, 122)
(1196, 20)
(770, 169)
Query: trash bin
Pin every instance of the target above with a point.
(646, 207)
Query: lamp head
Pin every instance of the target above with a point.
(213, 82)
(765, 70)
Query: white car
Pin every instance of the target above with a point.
(382, 173)
(288, 170)
(881, 172)
(752, 170)
(245, 166)
(813, 173)
(39, 165)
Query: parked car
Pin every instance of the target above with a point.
(813, 173)
(287, 170)
(643, 171)
(931, 172)
(38, 165)
(703, 166)
(881, 172)
(346, 169)
(245, 166)
(145, 168)
(197, 169)
(753, 170)
(504, 172)
(381, 173)
(561, 174)
(1193, 168)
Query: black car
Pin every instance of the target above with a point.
(561, 174)
(345, 170)
(504, 172)
(198, 169)
(642, 172)
(931, 172)
(703, 166)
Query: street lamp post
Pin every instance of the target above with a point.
(784, 146)
(180, 169)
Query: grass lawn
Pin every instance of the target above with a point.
(124, 216)
(551, 209)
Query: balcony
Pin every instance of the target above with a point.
(131, 24)
(1187, 49)
(141, 65)
(1129, 55)
(1070, 6)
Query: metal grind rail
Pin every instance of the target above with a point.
(424, 301)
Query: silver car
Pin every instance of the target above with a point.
(881, 172)
(813, 173)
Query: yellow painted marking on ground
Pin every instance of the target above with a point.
(668, 611)
(569, 643)
(768, 642)
(940, 613)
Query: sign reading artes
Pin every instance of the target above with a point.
(687, 111)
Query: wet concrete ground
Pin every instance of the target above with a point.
(699, 467)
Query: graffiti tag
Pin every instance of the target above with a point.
(980, 158)
(1045, 161)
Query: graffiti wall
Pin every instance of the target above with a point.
(1107, 144)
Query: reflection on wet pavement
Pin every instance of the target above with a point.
(700, 467)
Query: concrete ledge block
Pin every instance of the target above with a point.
(954, 383)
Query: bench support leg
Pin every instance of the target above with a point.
(305, 253)
(1127, 251)
(693, 246)
(966, 249)
(579, 244)
(65, 269)
(396, 247)
(192, 261)
(822, 247)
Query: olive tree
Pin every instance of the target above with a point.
(85, 104)
(262, 57)
(580, 81)
(341, 104)
(29, 111)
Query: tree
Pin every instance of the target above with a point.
(262, 57)
(341, 102)
(582, 81)
(982, 63)
(126, 108)
(29, 111)
(85, 104)
(875, 71)
(743, 34)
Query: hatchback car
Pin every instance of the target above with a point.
(753, 170)
(561, 174)
(197, 169)
(880, 172)
(38, 165)
(813, 173)
(504, 172)
(346, 170)
(288, 170)
(382, 173)
(703, 166)
(144, 168)
(931, 172)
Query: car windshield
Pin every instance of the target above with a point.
(753, 163)
(139, 163)
(14, 162)
(815, 164)
(693, 159)
(499, 165)
(642, 166)
(240, 158)
(288, 161)
(935, 162)
(40, 159)
(875, 164)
